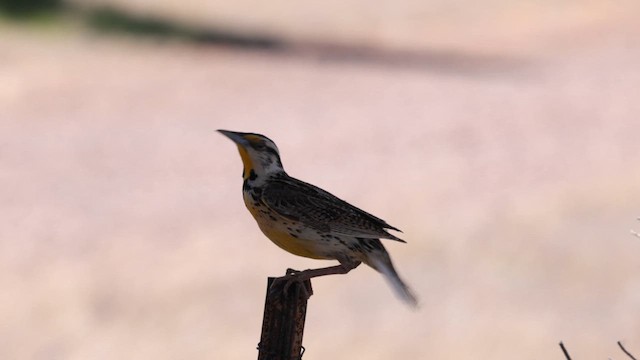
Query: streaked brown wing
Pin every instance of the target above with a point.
(318, 209)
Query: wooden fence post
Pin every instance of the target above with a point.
(283, 321)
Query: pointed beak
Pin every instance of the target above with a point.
(236, 137)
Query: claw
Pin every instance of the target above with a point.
(292, 276)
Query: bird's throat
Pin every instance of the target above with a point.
(246, 161)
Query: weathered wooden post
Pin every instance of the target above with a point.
(285, 310)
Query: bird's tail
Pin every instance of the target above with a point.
(382, 263)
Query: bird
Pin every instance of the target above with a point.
(307, 221)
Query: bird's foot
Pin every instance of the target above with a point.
(283, 284)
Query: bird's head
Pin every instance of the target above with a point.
(259, 154)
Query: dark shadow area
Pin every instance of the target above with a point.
(114, 21)
(111, 20)
(23, 9)
(449, 61)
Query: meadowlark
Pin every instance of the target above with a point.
(308, 221)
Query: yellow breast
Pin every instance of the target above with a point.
(284, 240)
(276, 228)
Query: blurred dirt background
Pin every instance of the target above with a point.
(501, 136)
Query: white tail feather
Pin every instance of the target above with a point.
(401, 289)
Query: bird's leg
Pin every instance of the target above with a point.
(302, 276)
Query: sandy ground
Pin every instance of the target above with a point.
(123, 234)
